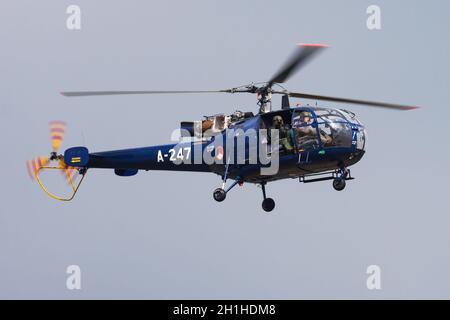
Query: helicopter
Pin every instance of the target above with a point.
(309, 143)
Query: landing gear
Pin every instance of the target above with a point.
(338, 184)
(219, 194)
(268, 204)
(339, 181)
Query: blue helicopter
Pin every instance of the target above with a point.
(305, 142)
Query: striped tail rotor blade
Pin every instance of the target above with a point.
(30, 169)
(65, 170)
(35, 164)
(57, 130)
(71, 174)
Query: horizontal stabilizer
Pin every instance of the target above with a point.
(125, 172)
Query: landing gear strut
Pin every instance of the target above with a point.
(221, 193)
(268, 204)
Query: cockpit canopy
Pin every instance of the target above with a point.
(311, 128)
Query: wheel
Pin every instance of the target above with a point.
(268, 204)
(338, 184)
(219, 194)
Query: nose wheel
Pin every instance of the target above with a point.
(338, 184)
(339, 181)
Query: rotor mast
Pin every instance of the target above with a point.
(265, 100)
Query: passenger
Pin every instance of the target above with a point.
(283, 131)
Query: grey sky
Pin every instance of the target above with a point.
(160, 234)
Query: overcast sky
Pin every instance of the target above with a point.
(161, 234)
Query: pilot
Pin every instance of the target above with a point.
(278, 123)
(305, 132)
(325, 138)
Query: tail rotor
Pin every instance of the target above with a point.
(57, 131)
(55, 161)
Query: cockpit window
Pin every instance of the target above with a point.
(330, 115)
(350, 116)
(334, 128)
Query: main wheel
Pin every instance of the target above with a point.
(338, 184)
(219, 194)
(268, 204)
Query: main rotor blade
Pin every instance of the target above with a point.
(108, 93)
(302, 55)
(353, 101)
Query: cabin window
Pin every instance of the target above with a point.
(280, 121)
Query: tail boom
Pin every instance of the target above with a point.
(127, 161)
